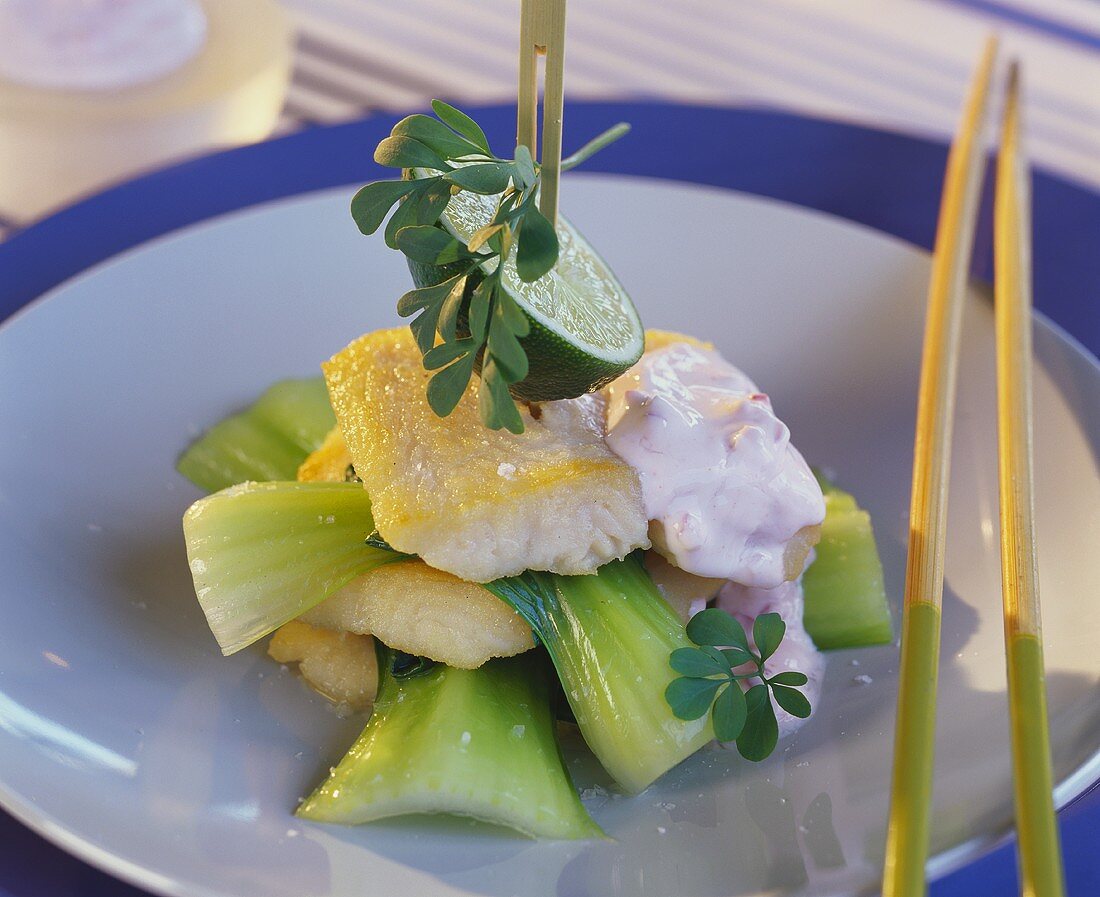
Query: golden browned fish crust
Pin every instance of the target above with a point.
(340, 665)
(329, 464)
(410, 606)
(426, 612)
(658, 339)
(478, 503)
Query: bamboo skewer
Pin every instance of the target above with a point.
(1039, 853)
(542, 33)
(911, 786)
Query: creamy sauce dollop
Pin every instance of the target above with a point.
(797, 650)
(97, 44)
(723, 486)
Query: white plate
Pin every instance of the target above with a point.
(125, 737)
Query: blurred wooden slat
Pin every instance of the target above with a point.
(897, 64)
(846, 59)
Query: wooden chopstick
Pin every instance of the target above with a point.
(542, 33)
(911, 786)
(1040, 857)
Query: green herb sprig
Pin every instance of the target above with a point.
(466, 322)
(709, 681)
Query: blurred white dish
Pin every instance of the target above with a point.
(60, 143)
(128, 739)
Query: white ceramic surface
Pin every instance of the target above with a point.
(126, 737)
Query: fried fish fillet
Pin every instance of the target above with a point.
(479, 503)
(340, 665)
(329, 463)
(658, 339)
(426, 612)
(412, 607)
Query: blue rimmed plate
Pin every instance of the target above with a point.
(126, 738)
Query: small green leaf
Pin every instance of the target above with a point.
(730, 712)
(789, 677)
(791, 700)
(480, 307)
(430, 245)
(443, 354)
(538, 246)
(481, 236)
(594, 145)
(373, 202)
(506, 350)
(423, 327)
(495, 402)
(695, 663)
(462, 123)
(488, 178)
(414, 300)
(436, 136)
(432, 201)
(691, 698)
(403, 216)
(512, 314)
(404, 152)
(767, 632)
(448, 314)
(446, 388)
(520, 206)
(735, 657)
(716, 627)
(504, 207)
(525, 168)
(761, 733)
(717, 656)
(501, 241)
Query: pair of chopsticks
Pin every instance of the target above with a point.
(911, 791)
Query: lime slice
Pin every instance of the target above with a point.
(585, 331)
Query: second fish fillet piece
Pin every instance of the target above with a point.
(418, 610)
